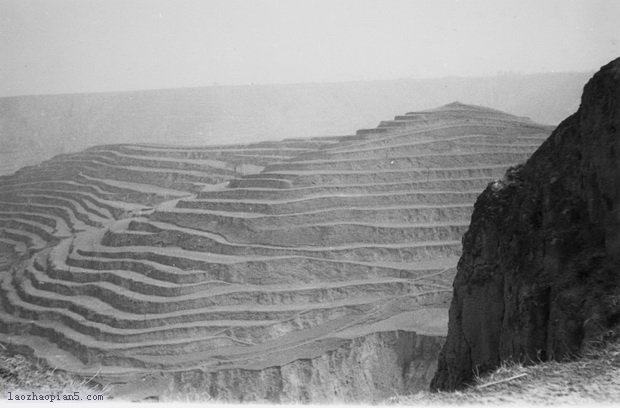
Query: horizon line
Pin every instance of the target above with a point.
(288, 84)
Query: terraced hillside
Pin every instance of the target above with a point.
(300, 270)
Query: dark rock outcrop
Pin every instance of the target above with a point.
(540, 272)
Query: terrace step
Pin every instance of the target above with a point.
(106, 208)
(439, 130)
(258, 272)
(420, 214)
(43, 233)
(29, 239)
(215, 244)
(241, 231)
(65, 209)
(434, 160)
(426, 140)
(328, 178)
(324, 202)
(92, 310)
(42, 220)
(82, 208)
(296, 193)
(75, 339)
(251, 331)
(40, 289)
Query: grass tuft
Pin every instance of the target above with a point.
(19, 374)
(592, 378)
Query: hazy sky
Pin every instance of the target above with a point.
(58, 46)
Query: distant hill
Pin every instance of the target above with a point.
(34, 128)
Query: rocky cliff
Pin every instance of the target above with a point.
(540, 272)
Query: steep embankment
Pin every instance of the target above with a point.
(256, 272)
(539, 277)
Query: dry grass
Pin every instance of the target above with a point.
(19, 374)
(593, 378)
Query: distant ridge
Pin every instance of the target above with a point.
(34, 128)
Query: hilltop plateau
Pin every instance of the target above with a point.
(300, 270)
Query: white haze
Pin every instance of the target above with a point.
(66, 46)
